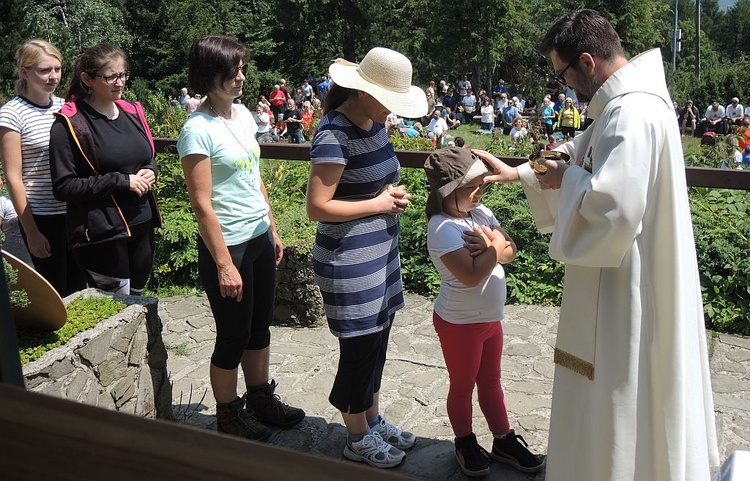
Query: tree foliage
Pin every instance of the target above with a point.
(297, 39)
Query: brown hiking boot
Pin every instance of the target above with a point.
(232, 418)
(268, 408)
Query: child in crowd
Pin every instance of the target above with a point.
(518, 131)
(468, 246)
(11, 240)
(552, 142)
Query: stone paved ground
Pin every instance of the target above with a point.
(415, 383)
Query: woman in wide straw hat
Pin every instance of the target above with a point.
(352, 193)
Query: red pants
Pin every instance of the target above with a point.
(472, 355)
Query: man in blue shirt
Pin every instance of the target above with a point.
(510, 112)
(323, 87)
(560, 102)
(500, 88)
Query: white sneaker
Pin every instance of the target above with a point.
(374, 451)
(393, 435)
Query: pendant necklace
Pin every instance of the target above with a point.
(223, 121)
(469, 220)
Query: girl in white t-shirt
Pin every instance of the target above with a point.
(468, 246)
(518, 131)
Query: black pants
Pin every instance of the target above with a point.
(361, 363)
(243, 325)
(121, 265)
(568, 131)
(60, 268)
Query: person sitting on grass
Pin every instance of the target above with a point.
(451, 119)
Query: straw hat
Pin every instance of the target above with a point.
(447, 170)
(386, 75)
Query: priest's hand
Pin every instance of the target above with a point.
(502, 173)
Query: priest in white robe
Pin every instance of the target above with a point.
(632, 397)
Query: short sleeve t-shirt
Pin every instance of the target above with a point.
(13, 242)
(236, 195)
(457, 303)
(34, 122)
(356, 263)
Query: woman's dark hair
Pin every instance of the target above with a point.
(337, 96)
(91, 61)
(210, 56)
(582, 31)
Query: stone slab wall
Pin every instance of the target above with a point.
(298, 299)
(120, 364)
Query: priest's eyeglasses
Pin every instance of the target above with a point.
(560, 77)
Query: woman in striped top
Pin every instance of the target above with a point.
(25, 123)
(352, 193)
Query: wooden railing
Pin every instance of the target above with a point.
(45, 437)
(696, 176)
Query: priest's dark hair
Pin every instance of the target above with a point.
(582, 31)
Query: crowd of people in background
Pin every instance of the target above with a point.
(286, 113)
(718, 120)
(291, 113)
(499, 112)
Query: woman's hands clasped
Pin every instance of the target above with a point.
(142, 181)
(395, 199)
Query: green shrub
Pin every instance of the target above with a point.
(286, 181)
(403, 142)
(176, 259)
(419, 275)
(18, 297)
(165, 117)
(83, 313)
(722, 238)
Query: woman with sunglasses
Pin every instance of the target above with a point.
(238, 246)
(102, 163)
(569, 119)
(25, 122)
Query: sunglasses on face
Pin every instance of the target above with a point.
(242, 69)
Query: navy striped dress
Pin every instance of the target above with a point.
(356, 263)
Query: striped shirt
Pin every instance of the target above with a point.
(33, 122)
(356, 263)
